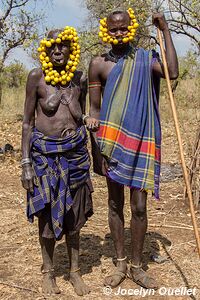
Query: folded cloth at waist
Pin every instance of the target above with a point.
(61, 165)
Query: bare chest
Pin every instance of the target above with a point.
(53, 99)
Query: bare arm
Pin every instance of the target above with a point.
(92, 122)
(171, 56)
(28, 123)
(82, 99)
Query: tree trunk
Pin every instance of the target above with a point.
(1, 88)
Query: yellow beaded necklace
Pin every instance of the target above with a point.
(53, 76)
(106, 38)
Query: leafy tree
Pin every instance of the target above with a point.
(19, 26)
(183, 17)
(14, 75)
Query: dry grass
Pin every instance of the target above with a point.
(12, 102)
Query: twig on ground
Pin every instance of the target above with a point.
(20, 287)
(170, 226)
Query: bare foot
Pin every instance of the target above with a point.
(120, 274)
(80, 287)
(141, 277)
(49, 284)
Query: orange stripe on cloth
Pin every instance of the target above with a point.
(126, 141)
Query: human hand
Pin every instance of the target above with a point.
(28, 177)
(158, 19)
(92, 124)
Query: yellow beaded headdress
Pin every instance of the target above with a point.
(106, 38)
(53, 76)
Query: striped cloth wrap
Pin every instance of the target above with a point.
(61, 165)
(130, 134)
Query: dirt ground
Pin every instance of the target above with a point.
(169, 234)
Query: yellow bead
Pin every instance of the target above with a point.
(41, 57)
(52, 41)
(75, 63)
(115, 42)
(58, 40)
(105, 39)
(100, 34)
(63, 77)
(125, 40)
(135, 25)
(70, 63)
(47, 78)
(48, 44)
(39, 49)
(71, 75)
(56, 79)
(45, 65)
(47, 59)
(53, 82)
(62, 72)
(73, 69)
(63, 82)
(68, 78)
(130, 38)
(50, 65)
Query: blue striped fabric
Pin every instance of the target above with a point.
(61, 165)
(130, 133)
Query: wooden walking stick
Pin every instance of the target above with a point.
(185, 173)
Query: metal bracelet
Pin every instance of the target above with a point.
(84, 117)
(25, 161)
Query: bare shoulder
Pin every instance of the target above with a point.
(35, 74)
(97, 61)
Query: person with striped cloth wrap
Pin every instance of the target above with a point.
(55, 159)
(125, 131)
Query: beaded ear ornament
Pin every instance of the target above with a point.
(52, 76)
(106, 38)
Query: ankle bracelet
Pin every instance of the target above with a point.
(136, 267)
(122, 259)
(74, 271)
